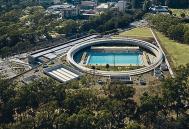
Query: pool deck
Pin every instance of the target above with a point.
(115, 49)
(83, 59)
(144, 59)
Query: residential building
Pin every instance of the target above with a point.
(65, 10)
(56, 1)
(160, 9)
(103, 7)
(88, 5)
(50, 1)
(121, 5)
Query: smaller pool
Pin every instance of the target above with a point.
(102, 58)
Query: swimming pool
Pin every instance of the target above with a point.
(103, 58)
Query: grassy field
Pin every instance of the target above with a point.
(142, 33)
(138, 32)
(179, 11)
(177, 52)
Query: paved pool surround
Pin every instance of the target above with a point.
(128, 41)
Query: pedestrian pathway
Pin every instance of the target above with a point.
(166, 61)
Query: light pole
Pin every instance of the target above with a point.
(114, 60)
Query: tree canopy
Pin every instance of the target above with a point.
(48, 104)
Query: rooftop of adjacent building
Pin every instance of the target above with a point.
(88, 3)
(103, 5)
(62, 6)
(160, 8)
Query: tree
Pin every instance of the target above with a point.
(22, 46)
(93, 68)
(186, 37)
(25, 123)
(167, 2)
(121, 92)
(74, 102)
(46, 115)
(133, 125)
(84, 119)
(107, 66)
(104, 119)
(146, 5)
(177, 3)
(149, 108)
(7, 94)
(70, 27)
(118, 111)
(91, 31)
(162, 22)
(5, 51)
(61, 121)
(133, 2)
(124, 94)
(183, 15)
(176, 32)
(176, 90)
(38, 92)
(46, 33)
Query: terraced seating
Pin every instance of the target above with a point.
(155, 50)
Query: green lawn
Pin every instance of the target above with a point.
(179, 53)
(137, 32)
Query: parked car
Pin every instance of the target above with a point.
(142, 82)
(36, 70)
(164, 67)
(157, 72)
(45, 66)
(100, 82)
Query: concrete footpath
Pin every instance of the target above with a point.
(166, 61)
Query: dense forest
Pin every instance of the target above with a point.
(46, 104)
(24, 23)
(22, 29)
(173, 27)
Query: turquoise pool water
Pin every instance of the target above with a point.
(102, 58)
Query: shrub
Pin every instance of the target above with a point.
(92, 31)
(183, 15)
(176, 32)
(186, 37)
